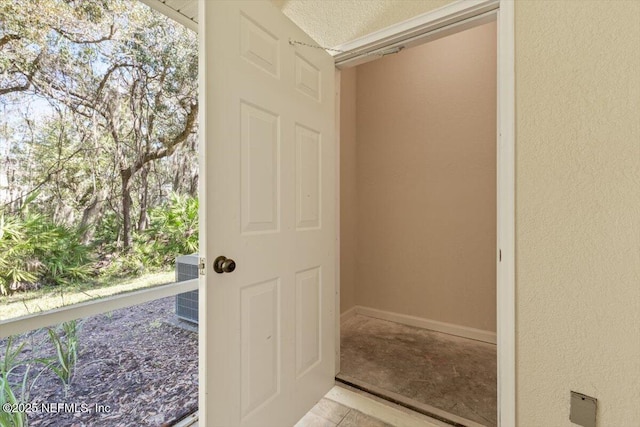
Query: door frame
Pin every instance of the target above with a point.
(452, 18)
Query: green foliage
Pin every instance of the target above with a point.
(173, 231)
(7, 365)
(107, 232)
(35, 251)
(14, 249)
(64, 259)
(10, 359)
(127, 264)
(66, 347)
(16, 380)
(10, 419)
(7, 395)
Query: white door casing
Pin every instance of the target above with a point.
(268, 167)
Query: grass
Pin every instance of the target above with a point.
(22, 304)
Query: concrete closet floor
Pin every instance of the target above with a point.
(449, 373)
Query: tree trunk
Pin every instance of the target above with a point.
(144, 198)
(91, 216)
(125, 176)
(177, 177)
(193, 185)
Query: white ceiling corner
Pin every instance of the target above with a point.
(184, 12)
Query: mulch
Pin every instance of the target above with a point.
(136, 367)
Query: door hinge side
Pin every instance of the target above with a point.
(202, 266)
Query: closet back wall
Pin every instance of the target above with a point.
(425, 181)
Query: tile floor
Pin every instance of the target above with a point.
(346, 407)
(328, 413)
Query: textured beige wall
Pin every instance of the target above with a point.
(577, 205)
(426, 180)
(577, 210)
(348, 192)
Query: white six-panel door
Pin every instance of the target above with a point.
(268, 202)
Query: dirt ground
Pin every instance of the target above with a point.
(136, 367)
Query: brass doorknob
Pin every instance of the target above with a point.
(222, 264)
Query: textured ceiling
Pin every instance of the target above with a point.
(329, 22)
(333, 22)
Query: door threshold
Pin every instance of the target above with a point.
(362, 401)
(380, 409)
(444, 417)
(190, 420)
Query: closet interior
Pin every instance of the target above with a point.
(418, 226)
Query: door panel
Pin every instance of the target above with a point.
(260, 334)
(268, 197)
(260, 152)
(308, 320)
(308, 178)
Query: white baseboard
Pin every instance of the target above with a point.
(348, 314)
(419, 322)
